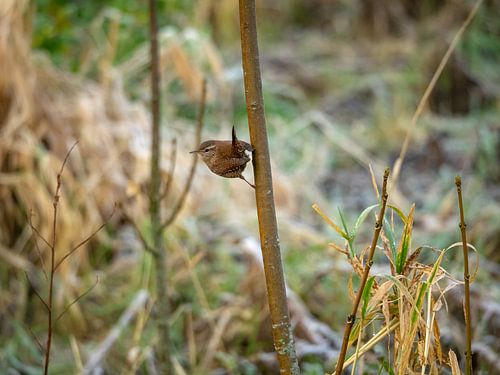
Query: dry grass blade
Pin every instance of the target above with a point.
(373, 341)
(455, 367)
(328, 220)
(428, 90)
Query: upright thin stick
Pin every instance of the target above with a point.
(352, 317)
(462, 225)
(52, 248)
(162, 303)
(273, 268)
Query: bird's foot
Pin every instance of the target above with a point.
(244, 179)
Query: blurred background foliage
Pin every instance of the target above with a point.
(341, 81)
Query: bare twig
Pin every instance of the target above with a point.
(36, 292)
(77, 299)
(37, 232)
(428, 90)
(352, 317)
(463, 226)
(180, 202)
(38, 343)
(52, 247)
(266, 213)
(171, 169)
(129, 219)
(84, 241)
(42, 262)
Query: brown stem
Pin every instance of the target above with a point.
(463, 226)
(352, 317)
(273, 268)
(52, 247)
(163, 305)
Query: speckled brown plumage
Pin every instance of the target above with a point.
(226, 158)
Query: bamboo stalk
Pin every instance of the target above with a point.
(463, 226)
(273, 268)
(352, 317)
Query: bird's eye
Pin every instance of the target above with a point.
(206, 150)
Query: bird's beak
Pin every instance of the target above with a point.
(194, 152)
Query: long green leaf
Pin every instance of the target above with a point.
(405, 242)
(366, 295)
(390, 236)
(400, 213)
(361, 219)
(349, 237)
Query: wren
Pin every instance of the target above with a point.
(226, 158)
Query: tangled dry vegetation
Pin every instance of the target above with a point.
(220, 321)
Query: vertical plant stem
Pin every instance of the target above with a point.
(463, 226)
(48, 344)
(273, 268)
(352, 317)
(162, 307)
(52, 248)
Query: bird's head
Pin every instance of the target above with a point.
(206, 150)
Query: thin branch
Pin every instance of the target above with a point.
(83, 242)
(468, 331)
(40, 347)
(36, 292)
(138, 230)
(42, 262)
(52, 247)
(67, 157)
(428, 90)
(180, 203)
(171, 169)
(352, 317)
(37, 232)
(78, 298)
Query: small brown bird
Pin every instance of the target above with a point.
(226, 158)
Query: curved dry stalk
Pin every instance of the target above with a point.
(352, 317)
(273, 268)
(423, 100)
(468, 342)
